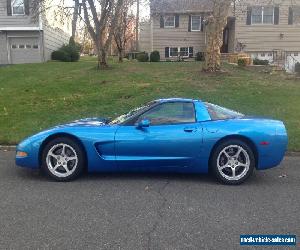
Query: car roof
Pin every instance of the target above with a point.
(176, 100)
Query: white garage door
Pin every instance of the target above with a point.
(24, 50)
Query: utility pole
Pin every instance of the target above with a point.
(137, 24)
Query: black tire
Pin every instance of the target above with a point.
(73, 149)
(246, 172)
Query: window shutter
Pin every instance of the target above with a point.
(176, 21)
(162, 22)
(26, 6)
(249, 14)
(191, 52)
(190, 23)
(167, 50)
(9, 11)
(276, 15)
(291, 16)
(202, 23)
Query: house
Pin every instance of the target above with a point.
(264, 29)
(25, 38)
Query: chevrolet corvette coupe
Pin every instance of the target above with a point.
(166, 135)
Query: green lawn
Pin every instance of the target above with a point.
(36, 96)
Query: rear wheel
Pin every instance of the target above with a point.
(233, 162)
(63, 159)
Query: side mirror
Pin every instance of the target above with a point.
(144, 123)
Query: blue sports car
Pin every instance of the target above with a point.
(166, 135)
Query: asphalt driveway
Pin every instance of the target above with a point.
(139, 211)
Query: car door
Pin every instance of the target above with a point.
(173, 138)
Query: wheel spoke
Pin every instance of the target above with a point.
(72, 158)
(223, 167)
(56, 166)
(63, 152)
(66, 168)
(242, 165)
(233, 172)
(226, 154)
(53, 155)
(238, 152)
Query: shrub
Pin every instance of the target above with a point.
(60, 55)
(72, 51)
(143, 57)
(154, 56)
(297, 68)
(242, 62)
(67, 53)
(257, 61)
(200, 56)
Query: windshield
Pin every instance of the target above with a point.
(132, 113)
(219, 113)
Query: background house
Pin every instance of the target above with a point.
(24, 39)
(264, 29)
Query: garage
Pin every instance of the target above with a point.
(24, 50)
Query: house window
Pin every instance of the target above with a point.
(173, 52)
(35, 46)
(180, 51)
(262, 54)
(170, 22)
(28, 46)
(17, 7)
(21, 46)
(13, 46)
(196, 23)
(184, 51)
(296, 54)
(262, 15)
(270, 54)
(296, 15)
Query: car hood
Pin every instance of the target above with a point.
(87, 122)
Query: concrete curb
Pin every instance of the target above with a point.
(7, 148)
(13, 148)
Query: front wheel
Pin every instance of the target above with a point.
(233, 162)
(63, 159)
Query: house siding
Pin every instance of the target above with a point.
(54, 38)
(3, 49)
(262, 37)
(176, 37)
(145, 37)
(14, 21)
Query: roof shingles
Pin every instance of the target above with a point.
(180, 6)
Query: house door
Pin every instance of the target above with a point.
(224, 48)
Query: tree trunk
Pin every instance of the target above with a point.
(137, 24)
(213, 54)
(120, 53)
(214, 31)
(75, 18)
(102, 63)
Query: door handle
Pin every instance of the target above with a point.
(189, 130)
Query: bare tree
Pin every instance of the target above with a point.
(124, 29)
(101, 24)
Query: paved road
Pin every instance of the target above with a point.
(144, 211)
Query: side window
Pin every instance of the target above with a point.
(170, 113)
